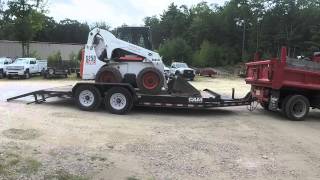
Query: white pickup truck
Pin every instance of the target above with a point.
(4, 62)
(182, 69)
(25, 67)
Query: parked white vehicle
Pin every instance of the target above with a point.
(25, 67)
(166, 72)
(4, 62)
(182, 69)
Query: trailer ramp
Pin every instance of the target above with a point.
(41, 96)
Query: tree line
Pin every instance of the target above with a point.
(212, 35)
(26, 20)
(202, 35)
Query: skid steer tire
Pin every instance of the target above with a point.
(150, 80)
(108, 75)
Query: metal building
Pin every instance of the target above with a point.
(13, 49)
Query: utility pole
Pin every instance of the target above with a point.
(243, 39)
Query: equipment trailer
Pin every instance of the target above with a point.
(119, 98)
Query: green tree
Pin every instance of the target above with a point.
(175, 50)
(27, 18)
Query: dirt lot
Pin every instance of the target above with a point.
(58, 141)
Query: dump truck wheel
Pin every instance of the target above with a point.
(150, 80)
(265, 106)
(108, 75)
(283, 105)
(118, 100)
(88, 98)
(297, 107)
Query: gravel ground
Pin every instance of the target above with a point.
(57, 141)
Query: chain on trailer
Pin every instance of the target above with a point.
(253, 106)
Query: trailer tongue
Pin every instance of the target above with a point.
(119, 98)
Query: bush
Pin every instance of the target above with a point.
(213, 55)
(55, 59)
(175, 50)
(34, 54)
(74, 61)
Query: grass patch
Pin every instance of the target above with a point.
(12, 165)
(30, 166)
(132, 178)
(64, 175)
(21, 134)
(97, 158)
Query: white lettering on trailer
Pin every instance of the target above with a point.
(195, 100)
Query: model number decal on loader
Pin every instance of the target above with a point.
(195, 100)
(91, 60)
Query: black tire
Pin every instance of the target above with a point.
(265, 106)
(141, 85)
(45, 75)
(51, 71)
(121, 97)
(283, 105)
(2, 75)
(88, 98)
(297, 107)
(108, 74)
(27, 74)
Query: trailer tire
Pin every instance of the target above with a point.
(108, 74)
(150, 80)
(51, 71)
(88, 98)
(297, 107)
(118, 100)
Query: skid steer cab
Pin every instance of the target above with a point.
(107, 59)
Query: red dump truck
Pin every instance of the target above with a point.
(286, 84)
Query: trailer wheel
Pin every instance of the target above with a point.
(108, 75)
(118, 100)
(88, 98)
(297, 107)
(51, 71)
(150, 80)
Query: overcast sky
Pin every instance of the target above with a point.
(114, 12)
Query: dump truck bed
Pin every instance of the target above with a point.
(276, 74)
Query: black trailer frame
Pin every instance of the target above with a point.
(208, 98)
